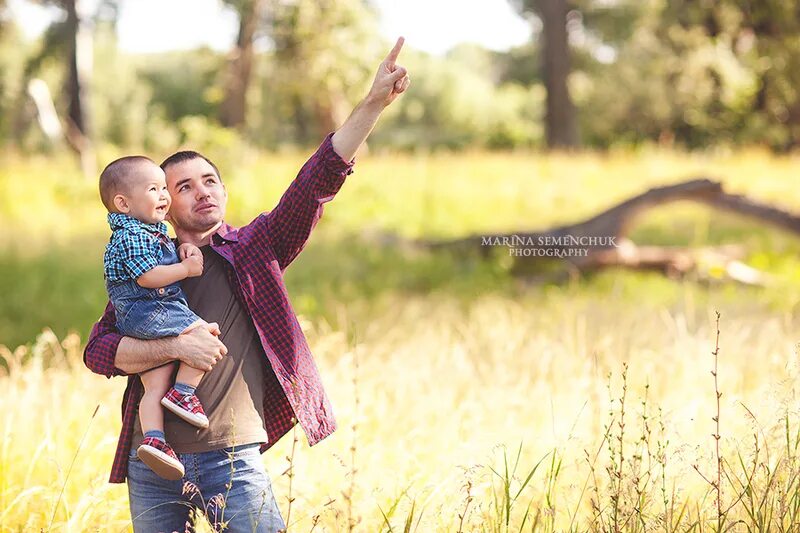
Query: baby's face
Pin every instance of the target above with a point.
(148, 199)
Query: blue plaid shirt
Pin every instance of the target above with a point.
(134, 248)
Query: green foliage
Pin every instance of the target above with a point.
(325, 54)
(183, 83)
(64, 279)
(11, 66)
(121, 104)
(696, 74)
(454, 104)
(55, 229)
(685, 73)
(520, 65)
(222, 145)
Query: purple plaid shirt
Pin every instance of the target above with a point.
(259, 253)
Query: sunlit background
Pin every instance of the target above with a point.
(434, 27)
(454, 368)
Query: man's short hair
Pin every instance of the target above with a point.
(188, 155)
(115, 178)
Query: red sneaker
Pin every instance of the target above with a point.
(160, 457)
(185, 406)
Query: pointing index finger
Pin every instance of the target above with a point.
(392, 57)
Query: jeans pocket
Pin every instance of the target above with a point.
(238, 451)
(133, 457)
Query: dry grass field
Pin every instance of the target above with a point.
(467, 400)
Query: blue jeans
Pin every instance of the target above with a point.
(159, 505)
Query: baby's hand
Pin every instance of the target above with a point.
(189, 250)
(194, 266)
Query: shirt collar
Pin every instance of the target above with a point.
(226, 232)
(123, 221)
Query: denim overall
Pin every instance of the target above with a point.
(151, 313)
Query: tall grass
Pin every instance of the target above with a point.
(496, 416)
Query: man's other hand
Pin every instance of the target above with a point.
(201, 347)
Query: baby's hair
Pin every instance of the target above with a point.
(114, 178)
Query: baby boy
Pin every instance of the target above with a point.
(143, 270)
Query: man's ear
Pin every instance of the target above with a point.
(121, 203)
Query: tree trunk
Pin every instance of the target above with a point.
(3, 15)
(80, 59)
(80, 68)
(331, 111)
(302, 128)
(234, 106)
(560, 120)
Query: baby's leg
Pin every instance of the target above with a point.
(156, 383)
(154, 450)
(188, 375)
(181, 398)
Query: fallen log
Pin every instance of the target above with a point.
(609, 246)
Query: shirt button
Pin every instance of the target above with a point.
(161, 290)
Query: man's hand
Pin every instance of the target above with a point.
(391, 79)
(194, 266)
(201, 347)
(189, 250)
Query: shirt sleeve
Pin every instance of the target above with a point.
(101, 348)
(139, 252)
(288, 226)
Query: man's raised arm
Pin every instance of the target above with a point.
(288, 226)
(110, 354)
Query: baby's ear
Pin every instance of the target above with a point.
(121, 203)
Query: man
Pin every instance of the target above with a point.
(261, 375)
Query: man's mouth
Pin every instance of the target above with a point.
(205, 207)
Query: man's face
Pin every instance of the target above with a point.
(198, 196)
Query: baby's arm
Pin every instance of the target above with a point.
(163, 275)
(139, 252)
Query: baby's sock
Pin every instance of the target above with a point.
(156, 434)
(184, 388)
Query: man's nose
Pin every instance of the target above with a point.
(202, 192)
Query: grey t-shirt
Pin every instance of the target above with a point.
(232, 392)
